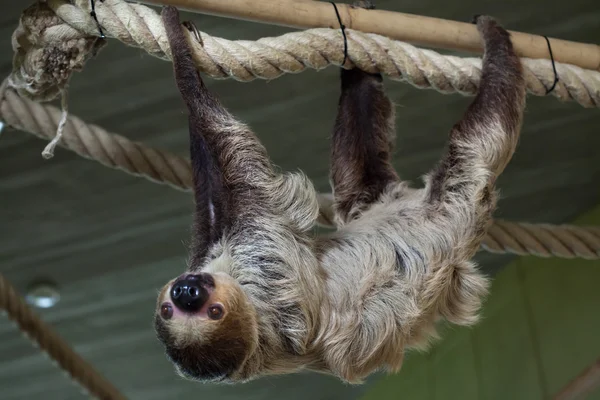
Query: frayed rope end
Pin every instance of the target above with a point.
(48, 151)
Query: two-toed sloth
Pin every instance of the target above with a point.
(263, 295)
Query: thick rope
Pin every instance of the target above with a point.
(81, 372)
(543, 240)
(115, 151)
(94, 143)
(269, 58)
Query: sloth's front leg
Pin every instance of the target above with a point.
(231, 168)
(462, 187)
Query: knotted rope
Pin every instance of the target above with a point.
(59, 351)
(267, 58)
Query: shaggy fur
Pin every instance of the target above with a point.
(352, 302)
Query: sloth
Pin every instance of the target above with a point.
(263, 294)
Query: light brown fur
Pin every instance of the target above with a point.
(351, 302)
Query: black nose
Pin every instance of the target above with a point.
(188, 295)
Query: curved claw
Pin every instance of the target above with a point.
(190, 26)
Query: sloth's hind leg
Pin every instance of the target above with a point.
(362, 143)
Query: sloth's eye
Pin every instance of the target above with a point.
(215, 312)
(166, 311)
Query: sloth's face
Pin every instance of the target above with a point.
(207, 326)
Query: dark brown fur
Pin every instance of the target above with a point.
(222, 152)
(360, 163)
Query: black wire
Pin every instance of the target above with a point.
(553, 66)
(93, 14)
(343, 27)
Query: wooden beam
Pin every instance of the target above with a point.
(419, 30)
(584, 383)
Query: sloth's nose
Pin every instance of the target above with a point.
(188, 295)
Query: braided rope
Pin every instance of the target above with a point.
(269, 58)
(543, 240)
(59, 351)
(115, 151)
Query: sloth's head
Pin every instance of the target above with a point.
(207, 324)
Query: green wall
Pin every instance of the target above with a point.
(540, 328)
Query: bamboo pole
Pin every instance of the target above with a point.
(415, 29)
(583, 384)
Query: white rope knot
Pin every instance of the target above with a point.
(45, 59)
(47, 53)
